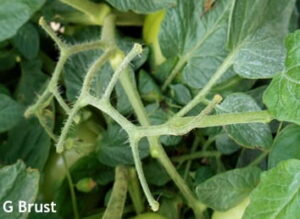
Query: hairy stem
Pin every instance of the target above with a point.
(136, 50)
(184, 124)
(52, 34)
(81, 101)
(66, 128)
(72, 191)
(135, 191)
(138, 165)
(156, 148)
(216, 76)
(117, 199)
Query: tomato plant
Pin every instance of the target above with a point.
(149, 109)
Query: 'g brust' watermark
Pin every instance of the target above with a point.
(24, 207)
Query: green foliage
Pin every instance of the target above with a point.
(196, 39)
(247, 135)
(282, 95)
(27, 41)
(274, 198)
(27, 141)
(285, 146)
(226, 190)
(257, 37)
(18, 183)
(10, 23)
(10, 112)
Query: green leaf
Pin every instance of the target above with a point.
(277, 195)
(31, 82)
(10, 113)
(7, 59)
(4, 90)
(17, 183)
(181, 94)
(226, 145)
(282, 97)
(286, 146)
(144, 7)
(149, 90)
(247, 156)
(114, 149)
(257, 30)
(15, 13)
(27, 41)
(197, 38)
(202, 174)
(27, 141)
(228, 189)
(254, 135)
(155, 174)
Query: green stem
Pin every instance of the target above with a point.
(180, 64)
(135, 191)
(192, 201)
(43, 99)
(197, 155)
(117, 199)
(71, 186)
(95, 11)
(209, 142)
(136, 50)
(180, 127)
(61, 101)
(138, 165)
(61, 45)
(81, 101)
(189, 163)
(216, 76)
(156, 148)
(65, 130)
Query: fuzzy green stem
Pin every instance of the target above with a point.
(138, 165)
(66, 128)
(108, 30)
(92, 71)
(61, 101)
(117, 199)
(43, 99)
(180, 64)
(71, 187)
(216, 76)
(99, 44)
(135, 191)
(136, 50)
(107, 108)
(189, 163)
(208, 121)
(156, 148)
(81, 101)
(52, 34)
